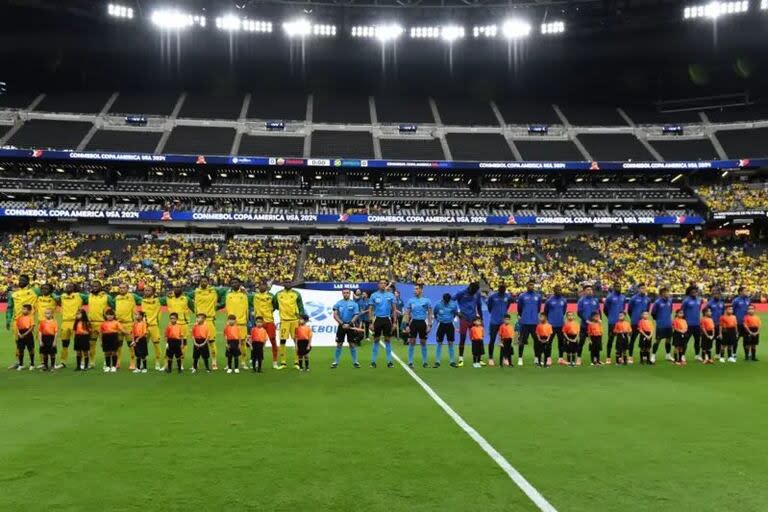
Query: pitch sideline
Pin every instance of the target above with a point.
(533, 494)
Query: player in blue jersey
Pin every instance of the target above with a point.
(555, 308)
(418, 318)
(470, 307)
(638, 304)
(445, 313)
(691, 306)
(346, 313)
(382, 309)
(613, 306)
(498, 304)
(586, 307)
(661, 311)
(716, 305)
(528, 308)
(740, 305)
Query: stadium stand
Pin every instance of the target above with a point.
(342, 144)
(403, 109)
(736, 114)
(592, 115)
(271, 145)
(736, 196)
(548, 150)
(160, 104)
(421, 149)
(465, 112)
(79, 102)
(341, 109)
(614, 146)
(203, 106)
(742, 143)
(643, 115)
(527, 113)
(277, 106)
(19, 100)
(684, 149)
(38, 133)
(479, 146)
(194, 140)
(121, 140)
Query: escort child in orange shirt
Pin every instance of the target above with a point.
(622, 330)
(707, 335)
(477, 334)
(595, 333)
(25, 339)
(645, 329)
(259, 336)
(48, 329)
(82, 330)
(303, 337)
(729, 331)
(232, 338)
(543, 345)
(571, 330)
(752, 326)
(200, 337)
(110, 340)
(174, 333)
(139, 333)
(507, 337)
(679, 330)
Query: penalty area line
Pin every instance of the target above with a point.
(533, 494)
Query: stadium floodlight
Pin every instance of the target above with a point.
(764, 5)
(173, 19)
(231, 23)
(120, 11)
(516, 29)
(553, 27)
(489, 31)
(714, 10)
(297, 28)
(425, 32)
(324, 30)
(451, 33)
(383, 33)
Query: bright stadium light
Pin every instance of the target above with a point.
(489, 31)
(451, 33)
(383, 33)
(231, 23)
(714, 10)
(120, 11)
(425, 32)
(324, 30)
(764, 5)
(553, 27)
(516, 29)
(173, 19)
(297, 28)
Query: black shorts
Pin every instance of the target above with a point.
(525, 331)
(257, 351)
(203, 351)
(174, 349)
(26, 343)
(140, 350)
(752, 339)
(678, 339)
(47, 346)
(82, 342)
(729, 337)
(233, 348)
(663, 333)
(446, 331)
(478, 349)
(348, 335)
(382, 327)
(418, 329)
(302, 347)
(596, 343)
(110, 341)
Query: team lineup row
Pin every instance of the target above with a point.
(133, 320)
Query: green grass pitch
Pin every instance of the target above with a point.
(630, 439)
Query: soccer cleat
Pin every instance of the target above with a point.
(193, 370)
(334, 366)
(32, 368)
(669, 357)
(390, 364)
(113, 369)
(296, 366)
(425, 365)
(608, 360)
(60, 366)
(731, 359)
(144, 370)
(158, 367)
(14, 366)
(436, 365)
(19, 368)
(482, 363)
(475, 365)
(630, 360)
(106, 369)
(578, 361)
(136, 371)
(519, 361)
(214, 366)
(410, 365)
(132, 366)
(91, 366)
(182, 367)
(561, 361)
(355, 365)
(237, 370)
(683, 359)
(373, 364)
(306, 369)
(491, 363)
(653, 358)
(505, 362)
(275, 366)
(722, 359)
(40, 366)
(229, 370)
(453, 365)
(460, 363)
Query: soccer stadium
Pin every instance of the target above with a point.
(383, 255)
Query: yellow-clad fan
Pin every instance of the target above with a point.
(70, 302)
(98, 302)
(22, 295)
(206, 300)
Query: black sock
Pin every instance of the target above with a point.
(491, 345)
(754, 353)
(236, 360)
(195, 360)
(87, 362)
(306, 362)
(205, 361)
(78, 359)
(520, 351)
(301, 362)
(32, 360)
(461, 348)
(668, 346)
(229, 362)
(178, 363)
(169, 364)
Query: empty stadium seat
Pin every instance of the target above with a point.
(18, 100)
(403, 109)
(527, 113)
(271, 146)
(161, 104)
(541, 150)
(277, 106)
(38, 133)
(341, 109)
(199, 140)
(342, 144)
(685, 149)
(131, 141)
(479, 146)
(416, 149)
(592, 115)
(619, 146)
(465, 112)
(204, 106)
(80, 102)
(744, 143)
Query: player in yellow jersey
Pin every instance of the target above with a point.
(22, 295)
(125, 307)
(70, 302)
(177, 302)
(206, 300)
(264, 307)
(98, 302)
(150, 306)
(290, 306)
(237, 302)
(45, 301)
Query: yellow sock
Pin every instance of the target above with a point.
(213, 351)
(281, 354)
(92, 352)
(64, 354)
(158, 354)
(133, 356)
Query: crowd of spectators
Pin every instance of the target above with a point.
(734, 197)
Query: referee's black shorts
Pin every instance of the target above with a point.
(446, 331)
(418, 329)
(382, 326)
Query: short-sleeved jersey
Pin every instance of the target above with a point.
(645, 326)
(708, 325)
(543, 331)
(44, 302)
(110, 327)
(21, 297)
(81, 329)
(289, 304)
(419, 307)
(174, 332)
(231, 333)
(125, 305)
(303, 333)
(139, 329)
(259, 335)
(238, 303)
(445, 313)
(571, 328)
(752, 322)
(346, 310)
(48, 327)
(180, 306)
(97, 304)
(477, 332)
(383, 304)
(263, 306)
(680, 324)
(594, 328)
(622, 327)
(71, 303)
(206, 300)
(200, 332)
(506, 331)
(151, 308)
(728, 321)
(24, 323)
